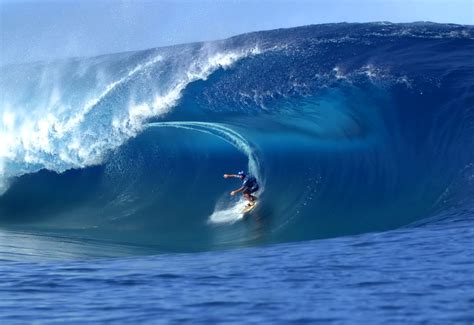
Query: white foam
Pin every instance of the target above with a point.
(339, 73)
(228, 214)
(199, 70)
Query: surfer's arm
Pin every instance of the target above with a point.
(231, 175)
(237, 191)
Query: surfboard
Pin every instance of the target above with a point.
(247, 208)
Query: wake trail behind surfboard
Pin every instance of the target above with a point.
(228, 215)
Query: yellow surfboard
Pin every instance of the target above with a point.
(248, 208)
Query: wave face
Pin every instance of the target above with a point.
(349, 128)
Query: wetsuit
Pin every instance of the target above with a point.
(250, 185)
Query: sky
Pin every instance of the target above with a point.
(35, 30)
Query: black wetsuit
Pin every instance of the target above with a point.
(250, 185)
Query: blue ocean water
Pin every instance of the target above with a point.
(113, 206)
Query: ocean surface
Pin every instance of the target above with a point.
(113, 207)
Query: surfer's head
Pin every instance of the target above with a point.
(241, 174)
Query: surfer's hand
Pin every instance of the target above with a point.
(226, 176)
(232, 193)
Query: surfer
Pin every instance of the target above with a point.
(249, 186)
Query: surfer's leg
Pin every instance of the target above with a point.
(252, 198)
(249, 197)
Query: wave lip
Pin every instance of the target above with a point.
(61, 135)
